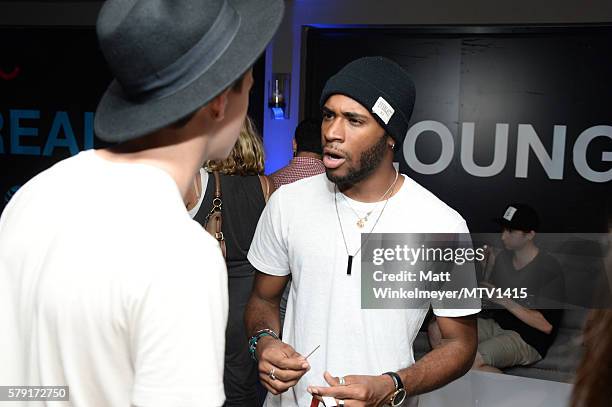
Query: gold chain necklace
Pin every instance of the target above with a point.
(361, 220)
(349, 265)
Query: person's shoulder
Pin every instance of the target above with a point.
(293, 198)
(191, 235)
(165, 223)
(549, 261)
(306, 185)
(64, 167)
(426, 203)
(281, 171)
(187, 247)
(59, 181)
(282, 175)
(74, 165)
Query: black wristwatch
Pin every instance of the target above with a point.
(398, 397)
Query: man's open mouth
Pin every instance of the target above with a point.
(332, 159)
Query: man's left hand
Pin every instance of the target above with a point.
(358, 391)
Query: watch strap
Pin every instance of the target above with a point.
(396, 379)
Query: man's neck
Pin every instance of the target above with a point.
(372, 188)
(181, 158)
(194, 192)
(308, 154)
(525, 255)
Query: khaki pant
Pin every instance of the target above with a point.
(502, 348)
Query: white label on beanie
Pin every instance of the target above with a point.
(383, 110)
(509, 213)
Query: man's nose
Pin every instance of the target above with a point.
(333, 130)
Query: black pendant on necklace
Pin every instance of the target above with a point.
(350, 265)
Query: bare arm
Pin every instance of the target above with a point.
(531, 317)
(263, 309)
(280, 366)
(451, 360)
(440, 366)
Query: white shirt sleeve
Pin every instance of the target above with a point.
(268, 252)
(463, 276)
(177, 327)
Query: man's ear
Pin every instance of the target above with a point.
(218, 105)
(531, 234)
(390, 141)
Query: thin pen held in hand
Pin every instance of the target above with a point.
(293, 388)
(313, 351)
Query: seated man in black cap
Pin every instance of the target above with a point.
(518, 331)
(312, 229)
(106, 284)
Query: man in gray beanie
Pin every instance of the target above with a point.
(312, 229)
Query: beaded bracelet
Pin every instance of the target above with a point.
(255, 338)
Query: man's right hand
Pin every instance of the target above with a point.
(487, 263)
(280, 359)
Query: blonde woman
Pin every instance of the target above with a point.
(244, 192)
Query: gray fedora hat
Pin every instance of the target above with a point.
(171, 57)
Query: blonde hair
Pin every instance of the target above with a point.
(247, 156)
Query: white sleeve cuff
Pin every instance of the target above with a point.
(264, 268)
(453, 313)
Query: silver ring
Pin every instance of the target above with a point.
(271, 374)
(341, 381)
(340, 402)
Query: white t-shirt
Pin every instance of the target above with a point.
(298, 233)
(107, 286)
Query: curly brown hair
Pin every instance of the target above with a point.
(592, 387)
(247, 156)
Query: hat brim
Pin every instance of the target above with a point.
(120, 119)
(508, 224)
(501, 221)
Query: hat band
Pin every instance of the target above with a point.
(191, 65)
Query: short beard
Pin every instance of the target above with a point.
(368, 162)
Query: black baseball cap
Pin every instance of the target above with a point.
(519, 216)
